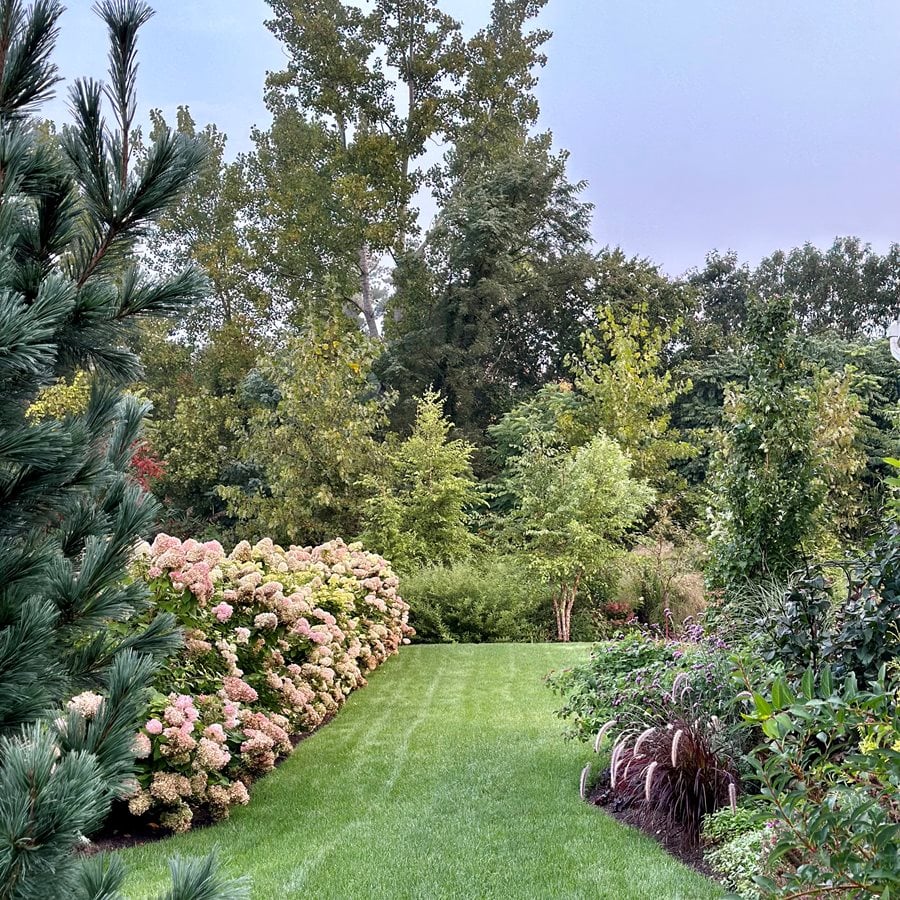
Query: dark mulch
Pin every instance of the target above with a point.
(679, 842)
(122, 829)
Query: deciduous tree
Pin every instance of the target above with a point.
(575, 508)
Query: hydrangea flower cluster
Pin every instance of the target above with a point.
(275, 641)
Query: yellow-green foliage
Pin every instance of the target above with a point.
(620, 373)
(420, 504)
(61, 399)
(313, 439)
(838, 415)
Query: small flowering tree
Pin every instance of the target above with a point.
(575, 507)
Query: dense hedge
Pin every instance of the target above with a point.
(275, 640)
(489, 598)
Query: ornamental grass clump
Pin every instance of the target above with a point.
(675, 772)
(675, 765)
(275, 641)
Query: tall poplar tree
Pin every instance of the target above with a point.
(499, 291)
(353, 111)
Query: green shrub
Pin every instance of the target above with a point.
(740, 859)
(627, 678)
(804, 626)
(726, 824)
(830, 773)
(488, 598)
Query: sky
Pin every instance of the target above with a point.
(750, 125)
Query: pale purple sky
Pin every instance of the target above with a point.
(700, 124)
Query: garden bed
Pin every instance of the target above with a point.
(677, 842)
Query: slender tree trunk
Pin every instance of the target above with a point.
(365, 304)
(557, 612)
(563, 605)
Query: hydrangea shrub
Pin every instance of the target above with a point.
(275, 641)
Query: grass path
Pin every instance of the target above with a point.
(445, 778)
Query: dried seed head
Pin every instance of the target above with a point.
(675, 741)
(681, 685)
(602, 734)
(584, 777)
(648, 781)
(616, 757)
(643, 736)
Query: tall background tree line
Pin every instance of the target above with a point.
(336, 306)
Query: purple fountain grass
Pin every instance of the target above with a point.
(677, 773)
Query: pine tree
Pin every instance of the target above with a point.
(71, 212)
(420, 506)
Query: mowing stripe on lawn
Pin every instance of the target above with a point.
(446, 777)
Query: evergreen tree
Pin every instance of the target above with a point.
(419, 509)
(70, 214)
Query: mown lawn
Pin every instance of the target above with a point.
(445, 778)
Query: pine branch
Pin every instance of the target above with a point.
(123, 18)
(27, 77)
(99, 877)
(167, 297)
(198, 879)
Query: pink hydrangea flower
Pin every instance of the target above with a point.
(223, 611)
(153, 726)
(238, 690)
(87, 704)
(141, 747)
(215, 732)
(266, 620)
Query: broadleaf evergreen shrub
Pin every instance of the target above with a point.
(829, 771)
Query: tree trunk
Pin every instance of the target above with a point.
(562, 609)
(557, 611)
(364, 301)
